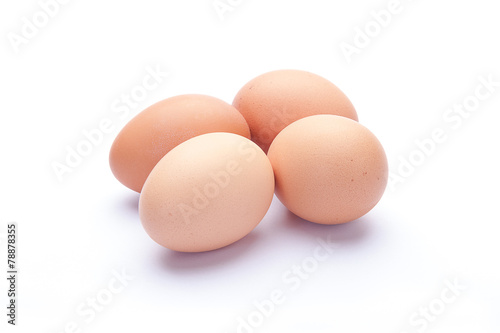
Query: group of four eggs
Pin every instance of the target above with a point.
(207, 170)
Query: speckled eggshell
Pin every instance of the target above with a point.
(272, 101)
(328, 169)
(164, 125)
(206, 193)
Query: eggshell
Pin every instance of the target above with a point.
(206, 193)
(164, 125)
(274, 100)
(329, 169)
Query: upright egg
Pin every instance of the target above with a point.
(164, 125)
(272, 101)
(329, 169)
(206, 193)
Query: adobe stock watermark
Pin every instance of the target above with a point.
(218, 181)
(121, 108)
(426, 315)
(89, 309)
(292, 279)
(378, 21)
(222, 7)
(453, 119)
(31, 26)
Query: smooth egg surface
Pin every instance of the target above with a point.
(328, 169)
(273, 100)
(164, 125)
(206, 193)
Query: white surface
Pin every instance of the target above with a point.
(442, 223)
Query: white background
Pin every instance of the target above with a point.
(440, 224)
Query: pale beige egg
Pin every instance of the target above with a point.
(206, 193)
(328, 169)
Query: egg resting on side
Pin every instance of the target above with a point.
(206, 193)
(328, 169)
(273, 100)
(162, 126)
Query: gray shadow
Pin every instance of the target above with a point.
(201, 261)
(131, 203)
(347, 233)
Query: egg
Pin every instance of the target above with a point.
(162, 126)
(272, 101)
(328, 169)
(207, 193)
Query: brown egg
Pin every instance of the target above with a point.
(164, 125)
(206, 193)
(274, 100)
(328, 169)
